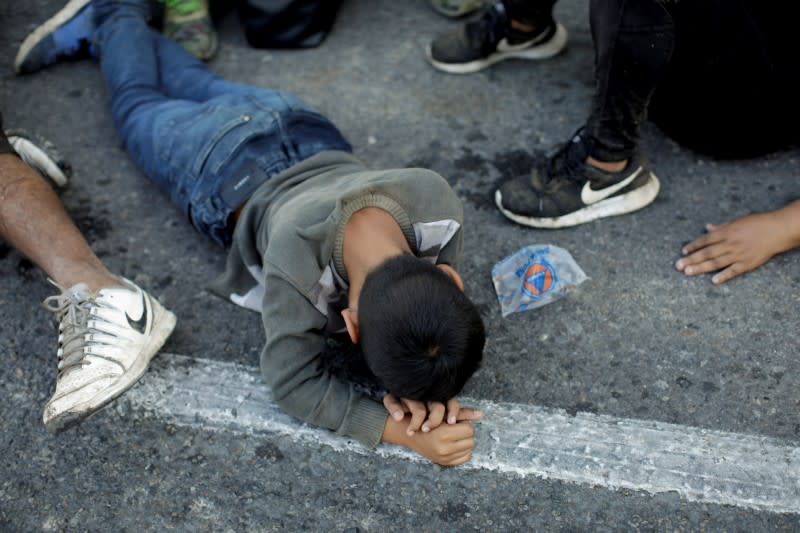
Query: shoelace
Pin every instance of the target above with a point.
(568, 159)
(73, 315)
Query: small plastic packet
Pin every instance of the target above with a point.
(535, 276)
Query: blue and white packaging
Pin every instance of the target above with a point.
(535, 276)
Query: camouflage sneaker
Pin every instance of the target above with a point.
(456, 8)
(189, 23)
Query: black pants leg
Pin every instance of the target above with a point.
(733, 86)
(633, 45)
(536, 13)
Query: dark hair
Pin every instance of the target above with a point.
(420, 335)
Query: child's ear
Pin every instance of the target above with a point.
(450, 271)
(351, 321)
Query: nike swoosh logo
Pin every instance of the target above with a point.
(590, 196)
(140, 324)
(505, 46)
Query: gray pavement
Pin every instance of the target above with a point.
(638, 341)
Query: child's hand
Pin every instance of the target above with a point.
(447, 445)
(733, 247)
(427, 416)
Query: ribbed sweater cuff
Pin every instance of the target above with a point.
(366, 422)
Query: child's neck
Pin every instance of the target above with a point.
(371, 236)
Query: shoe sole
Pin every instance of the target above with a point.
(46, 28)
(458, 12)
(543, 51)
(38, 155)
(616, 205)
(163, 325)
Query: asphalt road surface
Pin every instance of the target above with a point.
(643, 401)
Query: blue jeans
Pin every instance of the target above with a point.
(207, 142)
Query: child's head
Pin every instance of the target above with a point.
(420, 335)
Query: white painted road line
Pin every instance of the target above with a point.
(701, 465)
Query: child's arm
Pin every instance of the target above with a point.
(743, 244)
(290, 363)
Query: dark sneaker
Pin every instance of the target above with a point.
(65, 35)
(456, 8)
(40, 154)
(489, 39)
(564, 191)
(188, 23)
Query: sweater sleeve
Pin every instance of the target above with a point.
(290, 364)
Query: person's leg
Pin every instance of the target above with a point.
(184, 76)
(533, 15)
(507, 29)
(188, 128)
(599, 172)
(633, 45)
(109, 328)
(731, 88)
(162, 135)
(129, 62)
(33, 220)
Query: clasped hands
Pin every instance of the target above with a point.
(441, 432)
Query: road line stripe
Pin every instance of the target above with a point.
(699, 464)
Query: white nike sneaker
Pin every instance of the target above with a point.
(40, 154)
(106, 340)
(564, 191)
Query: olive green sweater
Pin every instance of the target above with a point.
(286, 262)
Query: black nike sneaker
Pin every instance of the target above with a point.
(489, 39)
(564, 191)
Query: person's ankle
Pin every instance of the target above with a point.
(607, 166)
(523, 27)
(94, 279)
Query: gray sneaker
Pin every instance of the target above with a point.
(40, 154)
(490, 38)
(105, 343)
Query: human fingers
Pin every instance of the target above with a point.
(712, 237)
(436, 412)
(711, 264)
(468, 413)
(458, 458)
(393, 405)
(689, 264)
(729, 273)
(460, 442)
(418, 412)
(453, 407)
